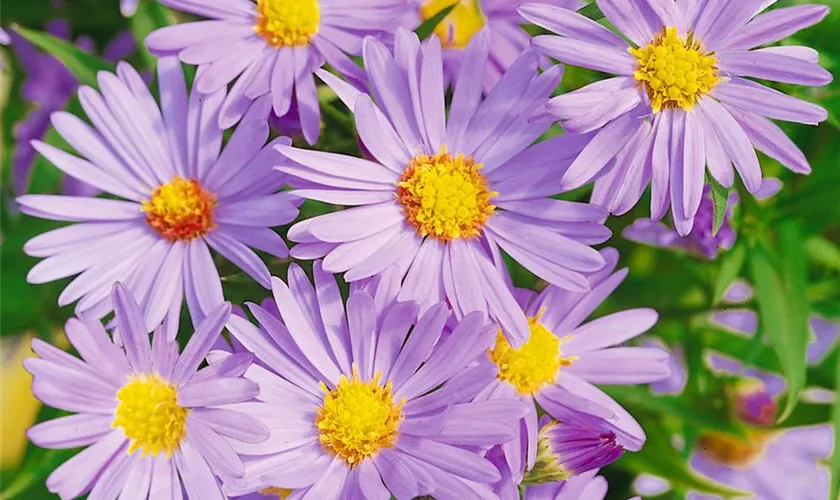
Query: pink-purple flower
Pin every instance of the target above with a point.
(151, 422)
(273, 47)
(443, 195)
(180, 193)
(683, 99)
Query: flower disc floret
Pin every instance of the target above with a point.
(149, 414)
(460, 25)
(358, 418)
(445, 196)
(675, 72)
(180, 210)
(535, 364)
(288, 23)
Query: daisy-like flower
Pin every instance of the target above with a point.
(682, 99)
(273, 47)
(444, 194)
(563, 357)
(359, 402)
(507, 37)
(182, 195)
(152, 422)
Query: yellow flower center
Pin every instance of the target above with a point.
(180, 210)
(445, 196)
(287, 23)
(149, 414)
(734, 451)
(358, 418)
(675, 72)
(535, 364)
(458, 27)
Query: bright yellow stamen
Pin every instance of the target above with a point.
(180, 210)
(280, 493)
(535, 364)
(149, 414)
(358, 418)
(733, 451)
(675, 72)
(459, 26)
(287, 23)
(445, 196)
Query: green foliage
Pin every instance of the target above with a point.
(84, 66)
(428, 26)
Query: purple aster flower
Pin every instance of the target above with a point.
(357, 406)
(183, 194)
(586, 486)
(445, 194)
(681, 100)
(563, 357)
(152, 422)
(507, 37)
(273, 47)
(49, 86)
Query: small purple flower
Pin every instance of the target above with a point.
(586, 486)
(358, 400)
(273, 47)
(152, 422)
(507, 37)
(563, 357)
(49, 86)
(682, 99)
(128, 7)
(182, 194)
(447, 193)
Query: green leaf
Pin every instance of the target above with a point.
(660, 459)
(592, 12)
(428, 26)
(37, 467)
(731, 265)
(795, 277)
(84, 66)
(777, 308)
(720, 198)
(823, 251)
(149, 17)
(835, 457)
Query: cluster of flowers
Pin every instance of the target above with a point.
(435, 376)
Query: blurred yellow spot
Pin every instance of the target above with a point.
(280, 493)
(18, 407)
(459, 26)
(734, 451)
(675, 72)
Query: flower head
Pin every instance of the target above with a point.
(152, 422)
(557, 366)
(359, 397)
(508, 39)
(183, 193)
(444, 195)
(273, 47)
(682, 99)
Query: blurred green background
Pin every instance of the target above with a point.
(794, 238)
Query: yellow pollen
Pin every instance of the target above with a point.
(459, 26)
(535, 364)
(287, 23)
(280, 493)
(445, 196)
(675, 72)
(180, 210)
(734, 451)
(357, 419)
(149, 414)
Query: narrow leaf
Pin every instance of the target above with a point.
(720, 198)
(84, 66)
(731, 265)
(428, 26)
(592, 12)
(824, 252)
